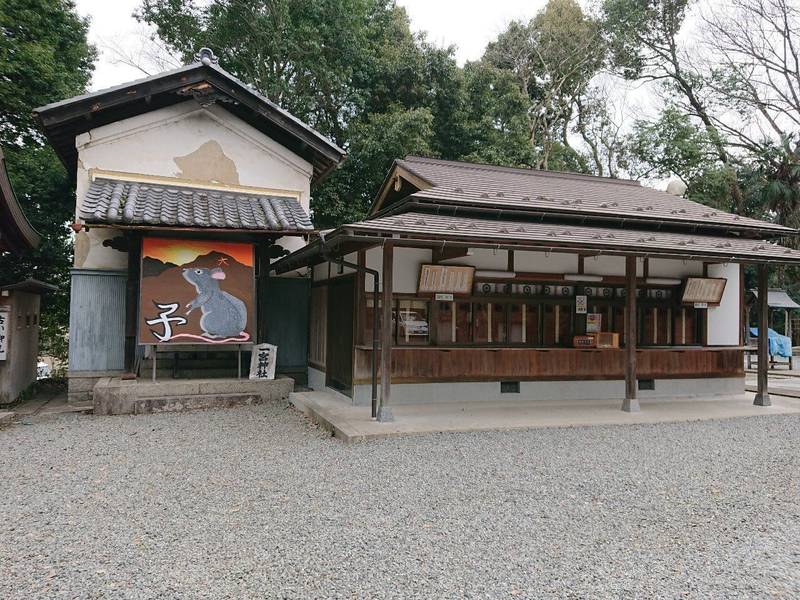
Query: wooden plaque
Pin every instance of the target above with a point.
(703, 290)
(445, 279)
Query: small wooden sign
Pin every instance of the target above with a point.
(5, 327)
(594, 322)
(262, 361)
(435, 279)
(703, 290)
(444, 297)
(580, 304)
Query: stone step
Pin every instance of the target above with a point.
(114, 396)
(161, 404)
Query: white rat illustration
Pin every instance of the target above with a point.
(224, 315)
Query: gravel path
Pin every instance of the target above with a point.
(254, 502)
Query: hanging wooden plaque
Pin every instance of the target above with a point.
(706, 290)
(445, 279)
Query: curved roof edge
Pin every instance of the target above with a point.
(16, 232)
(206, 82)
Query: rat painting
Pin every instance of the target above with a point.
(196, 291)
(224, 315)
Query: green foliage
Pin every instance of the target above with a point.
(670, 145)
(44, 56)
(640, 33)
(494, 117)
(350, 68)
(553, 57)
(375, 143)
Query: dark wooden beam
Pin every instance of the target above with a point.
(385, 410)
(439, 254)
(631, 402)
(762, 395)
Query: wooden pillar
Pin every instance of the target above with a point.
(134, 247)
(631, 402)
(762, 395)
(385, 409)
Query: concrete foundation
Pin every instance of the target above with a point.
(113, 396)
(546, 391)
(353, 423)
(81, 383)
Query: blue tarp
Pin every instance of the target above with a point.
(779, 345)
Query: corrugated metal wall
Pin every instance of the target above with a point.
(97, 320)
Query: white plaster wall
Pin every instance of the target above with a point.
(405, 273)
(540, 262)
(605, 265)
(186, 143)
(723, 320)
(667, 267)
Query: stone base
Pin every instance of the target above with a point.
(81, 383)
(114, 396)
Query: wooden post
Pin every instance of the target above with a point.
(385, 410)
(762, 395)
(631, 402)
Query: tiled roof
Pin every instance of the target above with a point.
(546, 235)
(777, 298)
(204, 82)
(16, 233)
(495, 187)
(124, 202)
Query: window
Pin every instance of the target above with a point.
(656, 323)
(684, 326)
(452, 323)
(489, 323)
(557, 324)
(523, 322)
(411, 317)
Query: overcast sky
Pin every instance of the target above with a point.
(467, 24)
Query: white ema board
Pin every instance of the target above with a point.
(262, 361)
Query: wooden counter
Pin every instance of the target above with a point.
(418, 364)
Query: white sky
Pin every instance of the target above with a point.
(477, 23)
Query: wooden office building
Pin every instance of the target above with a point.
(502, 283)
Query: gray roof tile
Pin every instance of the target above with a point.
(589, 238)
(499, 188)
(131, 203)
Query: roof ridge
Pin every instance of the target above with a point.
(463, 164)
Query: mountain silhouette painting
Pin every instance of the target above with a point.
(196, 292)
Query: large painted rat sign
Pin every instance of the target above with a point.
(196, 292)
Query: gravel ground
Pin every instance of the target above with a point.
(255, 502)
